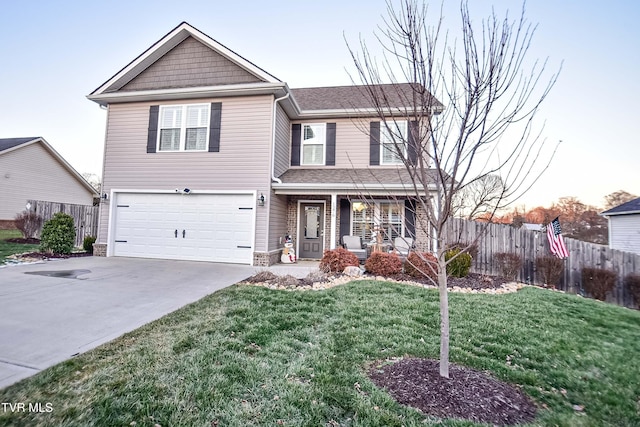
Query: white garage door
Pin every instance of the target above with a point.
(197, 227)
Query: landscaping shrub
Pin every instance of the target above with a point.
(87, 244)
(550, 269)
(460, 266)
(421, 265)
(509, 264)
(632, 282)
(383, 264)
(28, 223)
(471, 249)
(58, 234)
(336, 260)
(598, 282)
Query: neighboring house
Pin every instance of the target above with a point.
(30, 169)
(209, 157)
(533, 227)
(624, 226)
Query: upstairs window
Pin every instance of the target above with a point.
(183, 127)
(393, 142)
(313, 144)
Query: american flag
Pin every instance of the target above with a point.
(556, 243)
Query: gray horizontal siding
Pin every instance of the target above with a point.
(282, 142)
(242, 163)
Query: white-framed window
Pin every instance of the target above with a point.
(313, 144)
(393, 142)
(368, 218)
(183, 127)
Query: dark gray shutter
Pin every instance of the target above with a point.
(410, 218)
(374, 143)
(345, 218)
(412, 142)
(214, 127)
(296, 138)
(152, 134)
(331, 145)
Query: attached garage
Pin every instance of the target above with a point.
(195, 227)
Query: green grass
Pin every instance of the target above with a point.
(7, 248)
(249, 356)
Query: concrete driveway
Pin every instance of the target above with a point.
(45, 320)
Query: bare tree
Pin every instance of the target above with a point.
(617, 198)
(479, 198)
(490, 95)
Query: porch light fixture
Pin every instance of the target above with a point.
(261, 200)
(105, 196)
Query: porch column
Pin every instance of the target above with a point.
(334, 208)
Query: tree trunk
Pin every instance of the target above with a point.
(444, 319)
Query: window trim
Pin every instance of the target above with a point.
(183, 128)
(384, 128)
(324, 144)
(377, 214)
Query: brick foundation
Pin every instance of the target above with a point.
(99, 249)
(265, 259)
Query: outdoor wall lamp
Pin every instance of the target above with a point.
(105, 196)
(261, 200)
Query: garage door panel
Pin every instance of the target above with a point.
(214, 226)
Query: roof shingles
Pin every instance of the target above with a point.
(7, 143)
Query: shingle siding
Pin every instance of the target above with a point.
(190, 64)
(625, 232)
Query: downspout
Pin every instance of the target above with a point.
(273, 138)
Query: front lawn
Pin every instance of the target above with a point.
(252, 356)
(7, 248)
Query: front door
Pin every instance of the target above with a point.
(311, 230)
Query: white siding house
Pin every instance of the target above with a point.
(624, 226)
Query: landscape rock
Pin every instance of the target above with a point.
(353, 271)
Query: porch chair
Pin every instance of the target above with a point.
(402, 246)
(354, 244)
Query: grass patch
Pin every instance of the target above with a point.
(7, 248)
(250, 356)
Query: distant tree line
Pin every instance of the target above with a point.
(578, 220)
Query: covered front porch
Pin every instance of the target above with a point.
(320, 214)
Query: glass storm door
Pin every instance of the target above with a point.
(311, 230)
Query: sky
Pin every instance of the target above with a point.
(54, 53)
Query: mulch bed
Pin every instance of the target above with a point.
(45, 255)
(472, 281)
(467, 394)
(22, 240)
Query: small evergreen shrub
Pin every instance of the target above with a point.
(598, 282)
(28, 223)
(58, 234)
(471, 249)
(87, 244)
(421, 265)
(336, 260)
(460, 266)
(383, 264)
(550, 269)
(632, 282)
(509, 264)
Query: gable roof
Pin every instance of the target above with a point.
(631, 207)
(8, 145)
(109, 90)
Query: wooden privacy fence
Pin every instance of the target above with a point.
(530, 245)
(85, 218)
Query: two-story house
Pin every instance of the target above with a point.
(209, 157)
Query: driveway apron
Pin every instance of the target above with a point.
(52, 311)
